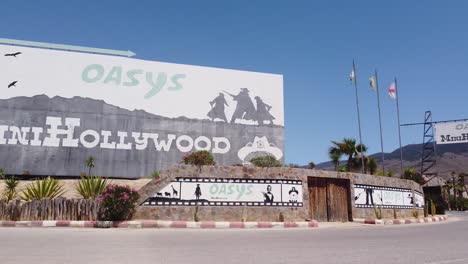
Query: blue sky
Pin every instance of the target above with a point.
(312, 43)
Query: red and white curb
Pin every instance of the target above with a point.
(158, 224)
(401, 221)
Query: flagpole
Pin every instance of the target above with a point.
(359, 116)
(380, 122)
(399, 132)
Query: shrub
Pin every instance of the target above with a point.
(10, 189)
(40, 189)
(433, 208)
(195, 214)
(155, 175)
(118, 202)
(378, 212)
(281, 217)
(342, 168)
(90, 164)
(410, 174)
(265, 162)
(91, 187)
(199, 158)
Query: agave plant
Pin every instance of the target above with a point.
(91, 187)
(10, 189)
(45, 188)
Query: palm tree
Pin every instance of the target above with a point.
(349, 148)
(90, 164)
(372, 165)
(335, 156)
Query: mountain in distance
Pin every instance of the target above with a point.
(450, 157)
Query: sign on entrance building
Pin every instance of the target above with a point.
(451, 132)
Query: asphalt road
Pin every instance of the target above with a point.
(440, 243)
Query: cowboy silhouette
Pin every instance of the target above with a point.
(369, 194)
(245, 108)
(217, 108)
(263, 111)
(198, 192)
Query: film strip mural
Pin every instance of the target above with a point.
(229, 192)
(368, 196)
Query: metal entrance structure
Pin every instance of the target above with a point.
(429, 151)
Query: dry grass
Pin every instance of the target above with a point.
(70, 185)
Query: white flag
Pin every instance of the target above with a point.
(373, 83)
(392, 91)
(352, 75)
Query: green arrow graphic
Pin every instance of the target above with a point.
(127, 53)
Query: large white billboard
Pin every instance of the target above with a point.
(133, 116)
(451, 132)
(165, 89)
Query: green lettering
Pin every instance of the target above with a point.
(155, 86)
(115, 75)
(222, 190)
(93, 67)
(214, 189)
(230, 189)
(133, 80)
(240, 190)
(249, 189)
(175, 79)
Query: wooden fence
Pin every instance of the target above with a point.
(46, 209)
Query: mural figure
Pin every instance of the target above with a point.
(357, 196)
(198, 192)
(263, 112)
(217, 108)
(369, 193)
(293, 194)
(175, 193)
(268, 195)
(410, 197)
(245, 108)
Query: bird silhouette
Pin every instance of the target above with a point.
(12, 84)
(12, 54)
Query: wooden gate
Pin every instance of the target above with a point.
(329, 199)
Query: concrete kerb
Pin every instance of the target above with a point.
(207, 224)
(159, 224)
(401, 221)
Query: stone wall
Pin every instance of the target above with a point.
(260, 213)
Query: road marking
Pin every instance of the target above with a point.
(463, 260)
